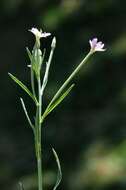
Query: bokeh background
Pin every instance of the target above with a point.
(89, 129)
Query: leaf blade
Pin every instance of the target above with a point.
(25, 88)
(26, 114)
(57, 102)
(29, 54)
(59, 173)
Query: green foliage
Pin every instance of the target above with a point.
(27, 116)
(59, 173)
(54, 104)
(100, 166)
(29, 54)
(23, 87)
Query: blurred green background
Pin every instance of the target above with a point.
(89, 129)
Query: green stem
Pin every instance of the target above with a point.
(38, 116)
(70, 78)
(39, 164)
(39, 147)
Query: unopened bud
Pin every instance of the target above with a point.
(53, 45)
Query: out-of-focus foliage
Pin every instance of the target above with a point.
(93, 114)
(101, 165)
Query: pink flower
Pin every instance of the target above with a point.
(95, 45)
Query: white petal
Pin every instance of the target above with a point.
(44, 35)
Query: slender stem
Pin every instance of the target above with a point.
(39, 152)
(70, 78)
(39, 164)
(38, 116)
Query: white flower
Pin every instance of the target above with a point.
(39, 34)
(95, 45)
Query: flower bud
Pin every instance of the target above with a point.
(53, 45)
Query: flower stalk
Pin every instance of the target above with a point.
(68, 80)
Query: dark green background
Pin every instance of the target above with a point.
(89, 129)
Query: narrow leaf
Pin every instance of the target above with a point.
(48, 63)
(59, 173)
(26, 113)
(29, 54)
(57, 102)
(23, 87)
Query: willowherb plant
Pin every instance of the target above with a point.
(37, 57)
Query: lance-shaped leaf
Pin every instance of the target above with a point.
(48, 63)
(59, 173)
(29, 54)
(23, 87)
(45, 79)
(51, 107)
(26, 113)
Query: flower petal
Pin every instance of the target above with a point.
(95, 45)
(39, 34)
